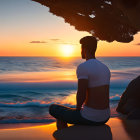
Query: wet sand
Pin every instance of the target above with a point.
(115, 129)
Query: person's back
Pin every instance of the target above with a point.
(97, 95)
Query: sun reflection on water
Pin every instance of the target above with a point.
(71, 99)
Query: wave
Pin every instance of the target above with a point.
(36, 112)
(115, 97)
(40, 104)
(28, 104)
(14, 97)
(6, 121)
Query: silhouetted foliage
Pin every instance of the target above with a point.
(105, 19)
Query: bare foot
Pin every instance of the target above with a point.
(60, 124)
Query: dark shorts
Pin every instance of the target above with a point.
(70, 115)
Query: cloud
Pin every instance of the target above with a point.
(38, 42)
(55, 39)
(137, 44)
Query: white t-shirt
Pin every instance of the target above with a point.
(97, 74)
(95, 71)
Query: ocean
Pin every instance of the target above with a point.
(28, 85)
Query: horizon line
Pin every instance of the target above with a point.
(66, 57)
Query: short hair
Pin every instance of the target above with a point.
(89, 43)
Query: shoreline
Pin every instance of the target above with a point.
(22, 125)
(115, 129)
(14, 126)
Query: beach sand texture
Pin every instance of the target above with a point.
(115, 129)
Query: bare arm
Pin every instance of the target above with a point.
(81, 92)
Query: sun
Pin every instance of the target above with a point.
(67, 50)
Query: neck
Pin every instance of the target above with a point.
(90, 57)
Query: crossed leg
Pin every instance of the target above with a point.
(61, 124)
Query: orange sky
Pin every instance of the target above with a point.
(28, 29)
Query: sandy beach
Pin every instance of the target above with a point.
(115, 129)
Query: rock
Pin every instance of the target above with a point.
(135, 114)
(130, 100)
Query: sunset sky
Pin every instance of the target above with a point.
(28, 29)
